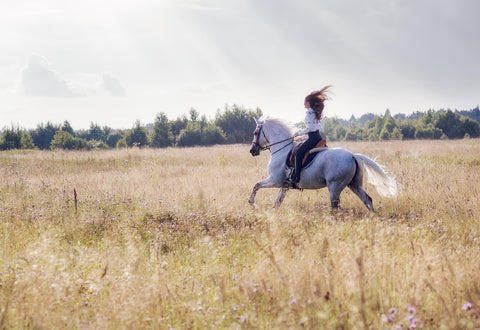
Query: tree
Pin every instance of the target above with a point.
(15, 138)
(43, 135)
(113, 138)
(11, 139)
(66, 127)
(354, 132)
(27, 141)
(137, 136)
(428, 132)
(340, 132)
(334, 128)
(237, 123)
(95, 133)
(396, 134)
(473, 114)
(194, 114)
(191, 135)
(455, 126)
(177, 126)
(407, 128)
(470, 127)
(212, 134)
(65, 140)
(388, 127)
(161, 135)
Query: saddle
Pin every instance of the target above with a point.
(308, 156)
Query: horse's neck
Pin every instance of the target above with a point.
(280, 150)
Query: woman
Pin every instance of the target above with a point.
(314, 105)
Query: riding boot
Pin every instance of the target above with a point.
(298, 168)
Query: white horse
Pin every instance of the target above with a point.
(334, 168)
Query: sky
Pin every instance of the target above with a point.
(113, 62)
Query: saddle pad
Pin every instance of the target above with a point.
(308, 156)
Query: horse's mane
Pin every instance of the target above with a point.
(279, 122)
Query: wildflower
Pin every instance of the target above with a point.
(411, 310)
(413, 323)
(293, 301)
(390, 318)
(393, 310)
(243, 318)
(467, 306)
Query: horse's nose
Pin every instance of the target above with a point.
(254, 151)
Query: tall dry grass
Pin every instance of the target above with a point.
(166, 239)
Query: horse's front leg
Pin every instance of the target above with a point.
(281, 195)
(267, 183)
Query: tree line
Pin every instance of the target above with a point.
(432, 124)
(235, 124)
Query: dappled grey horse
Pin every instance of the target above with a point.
(334, 168)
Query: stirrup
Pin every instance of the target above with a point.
(290, 184)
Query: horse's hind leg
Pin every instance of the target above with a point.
(356, 186)
(364, 197)
(335, 189)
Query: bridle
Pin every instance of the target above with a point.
(267, 147)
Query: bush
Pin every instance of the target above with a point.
(113, 139)
(65, 140)
(137, 136)
(212, 135)
(190, 135)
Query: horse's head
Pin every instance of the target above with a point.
(259, 139)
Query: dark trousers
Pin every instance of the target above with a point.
(313, 139)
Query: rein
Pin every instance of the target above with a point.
(267, 147)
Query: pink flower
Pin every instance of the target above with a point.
(293, 301)
(413, 323)
(243, 318)
(467, 306)
(411, 310)
(393, 310)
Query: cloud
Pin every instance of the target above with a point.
(39, 79)
(111, 85)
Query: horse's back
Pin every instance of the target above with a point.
(334, 157)
(331, 164)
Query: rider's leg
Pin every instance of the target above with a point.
(313, 139)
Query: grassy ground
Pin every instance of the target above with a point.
(166, 239)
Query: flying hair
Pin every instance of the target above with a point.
(316, 99)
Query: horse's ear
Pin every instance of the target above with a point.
(258, 122)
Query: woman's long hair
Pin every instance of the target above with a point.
(316, 100)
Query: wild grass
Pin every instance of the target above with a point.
(166, 239)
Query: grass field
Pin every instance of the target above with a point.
(166, 239)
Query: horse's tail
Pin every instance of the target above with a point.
(385, 185)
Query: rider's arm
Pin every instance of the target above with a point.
(311, 124)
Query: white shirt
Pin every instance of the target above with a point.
(311, 123)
